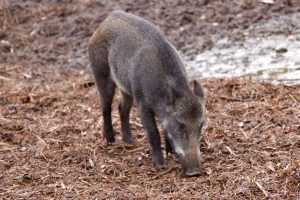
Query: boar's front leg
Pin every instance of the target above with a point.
(149, 124)
(168, 146)
(124, 110)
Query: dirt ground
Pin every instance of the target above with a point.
(51, 144)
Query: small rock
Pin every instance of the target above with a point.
(208, 171)
(267, 1)
(281, 50)
(23, 149)
(140, 158)
(241, 124)
(27, 177)
(102, 166)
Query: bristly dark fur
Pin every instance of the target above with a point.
(131, 53)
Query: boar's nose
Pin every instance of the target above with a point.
(193, 172)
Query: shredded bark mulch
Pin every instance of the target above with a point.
(51, 144)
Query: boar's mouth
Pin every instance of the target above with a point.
(193, 172)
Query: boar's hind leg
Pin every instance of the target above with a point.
(106, 88)
(148, 121)
(124, 109)
(107, 92)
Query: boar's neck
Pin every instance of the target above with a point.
(174, 69)
(177, 84)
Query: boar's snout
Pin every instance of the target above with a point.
(190, 160)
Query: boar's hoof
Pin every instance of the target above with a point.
(193, 172)
(159, 163)
(127, 139)
(110, 139)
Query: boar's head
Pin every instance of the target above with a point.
(186, 117)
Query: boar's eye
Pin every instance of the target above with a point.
(181, 135)
(181, 126)
(180, 130)
(201, 125)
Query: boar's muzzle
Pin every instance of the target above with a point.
(190, 159)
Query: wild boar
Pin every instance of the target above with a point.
(129, 52)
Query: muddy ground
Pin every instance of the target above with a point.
(51, 144)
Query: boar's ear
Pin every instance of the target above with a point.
(173, 95)
(170, 102)
(170, 109)
(198, 89)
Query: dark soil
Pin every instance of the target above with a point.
(51, 144)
